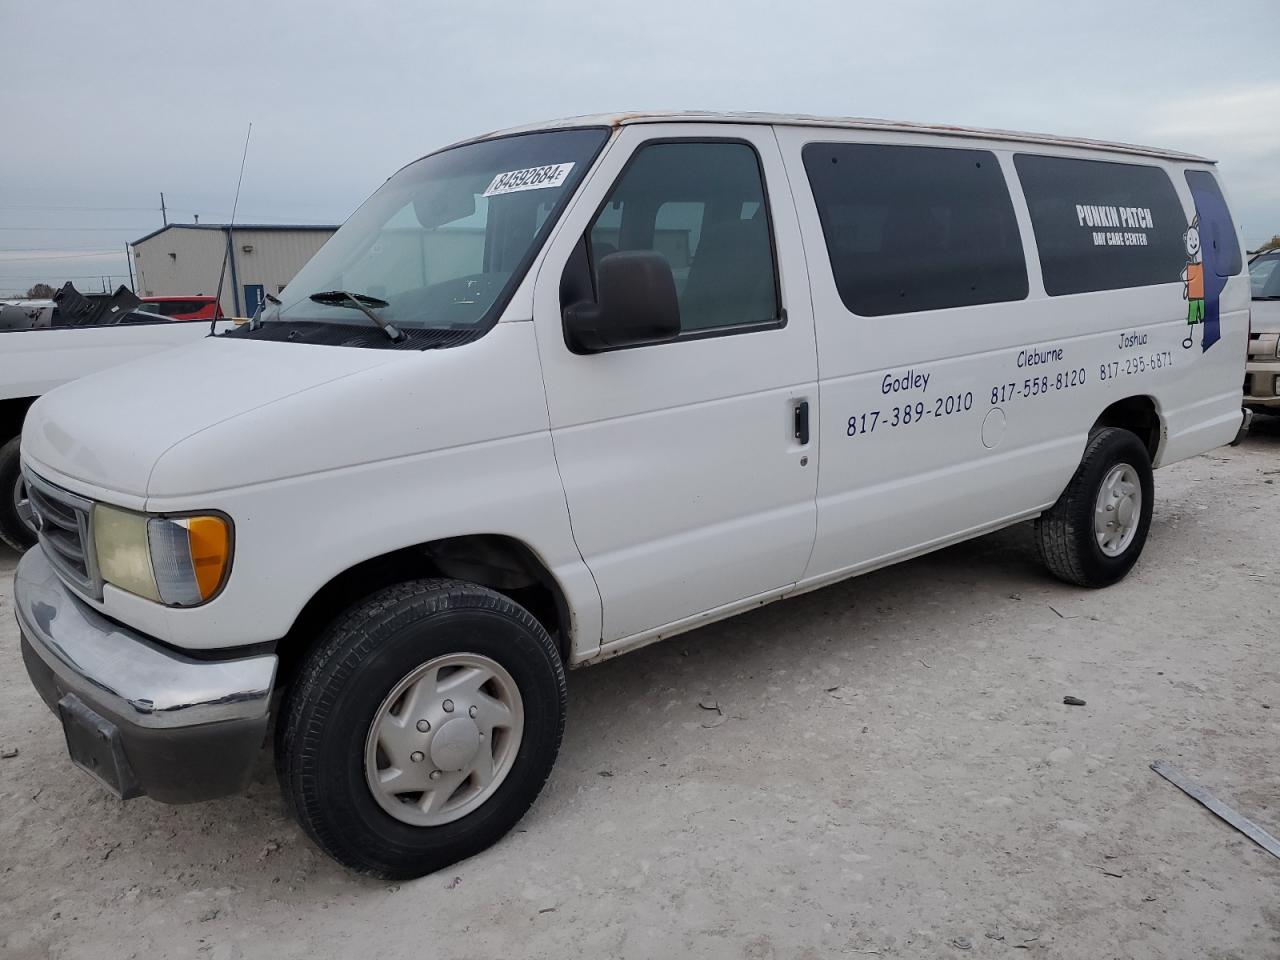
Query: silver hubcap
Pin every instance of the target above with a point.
(1117, 510)
(444, 739)
(22, 505)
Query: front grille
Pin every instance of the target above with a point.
(62, 520)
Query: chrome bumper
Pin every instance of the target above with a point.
(184, 729)
(1262, 383)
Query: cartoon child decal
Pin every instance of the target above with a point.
(1193, 278)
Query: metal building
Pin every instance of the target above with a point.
(186, 259)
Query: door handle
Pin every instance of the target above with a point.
(801, 422)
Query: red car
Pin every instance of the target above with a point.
(182, 308)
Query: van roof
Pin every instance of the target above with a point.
(847, 123)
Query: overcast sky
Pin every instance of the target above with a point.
(102, 106)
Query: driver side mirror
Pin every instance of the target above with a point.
(637, 305)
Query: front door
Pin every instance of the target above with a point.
(690, 486)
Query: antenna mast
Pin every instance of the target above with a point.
(231, 228)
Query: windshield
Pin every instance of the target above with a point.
(1264, 276)
(443, 244)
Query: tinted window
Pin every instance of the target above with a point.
(1101, 225)
(1264, 275)
(171, 308)
(916, 228)
(1218, 241)
(701, 205)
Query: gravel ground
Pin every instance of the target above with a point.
(887, 769)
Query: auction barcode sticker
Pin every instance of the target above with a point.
(530, 178)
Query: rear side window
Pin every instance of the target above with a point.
(1218, 241)
(1102, 225)
(916, 228)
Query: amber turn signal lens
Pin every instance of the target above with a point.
(190, 557)
(210, 539)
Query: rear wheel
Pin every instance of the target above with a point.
(17, 523)
(1094, 534)
(422, 727)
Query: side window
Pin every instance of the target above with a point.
(1101, 225)
(1264, 276)
(916, 228)
(1221, 248)
(702, 206)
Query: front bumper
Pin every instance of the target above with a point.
(141, 718)
(1262, 383)
(1262, 371)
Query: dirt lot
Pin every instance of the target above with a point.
(891, 772)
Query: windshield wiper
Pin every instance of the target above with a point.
(1269, 296)
(361, 302)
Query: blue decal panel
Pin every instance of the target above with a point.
(1213, 255)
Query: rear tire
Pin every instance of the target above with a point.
(1094, 534)
(375, 675)
(14, 530)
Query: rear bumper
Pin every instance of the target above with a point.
(164, 725)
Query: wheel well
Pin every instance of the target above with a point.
(499, 562)
(1138, 415)
(12, 413)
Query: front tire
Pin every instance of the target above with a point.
(422, 727)
(16, 528)
(1094, 534)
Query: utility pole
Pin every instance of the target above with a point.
(163, 213)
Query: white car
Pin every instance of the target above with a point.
(38, 354)
(554, 394)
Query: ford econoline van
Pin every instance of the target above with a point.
(556, 393)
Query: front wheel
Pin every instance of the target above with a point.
(17, 522)
(422, 727)
(1094, 534)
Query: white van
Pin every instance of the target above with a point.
(556, 393)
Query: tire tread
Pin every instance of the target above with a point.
(349, 640)
(1059, 535)
(12, 531)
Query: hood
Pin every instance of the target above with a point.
(1264, 316)
(110, 428)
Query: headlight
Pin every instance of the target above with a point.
(178, 561)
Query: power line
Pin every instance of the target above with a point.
(62, 256)
(5, 278)
(79, 229)
(203, 211)
(259, 221)
(36, 206)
